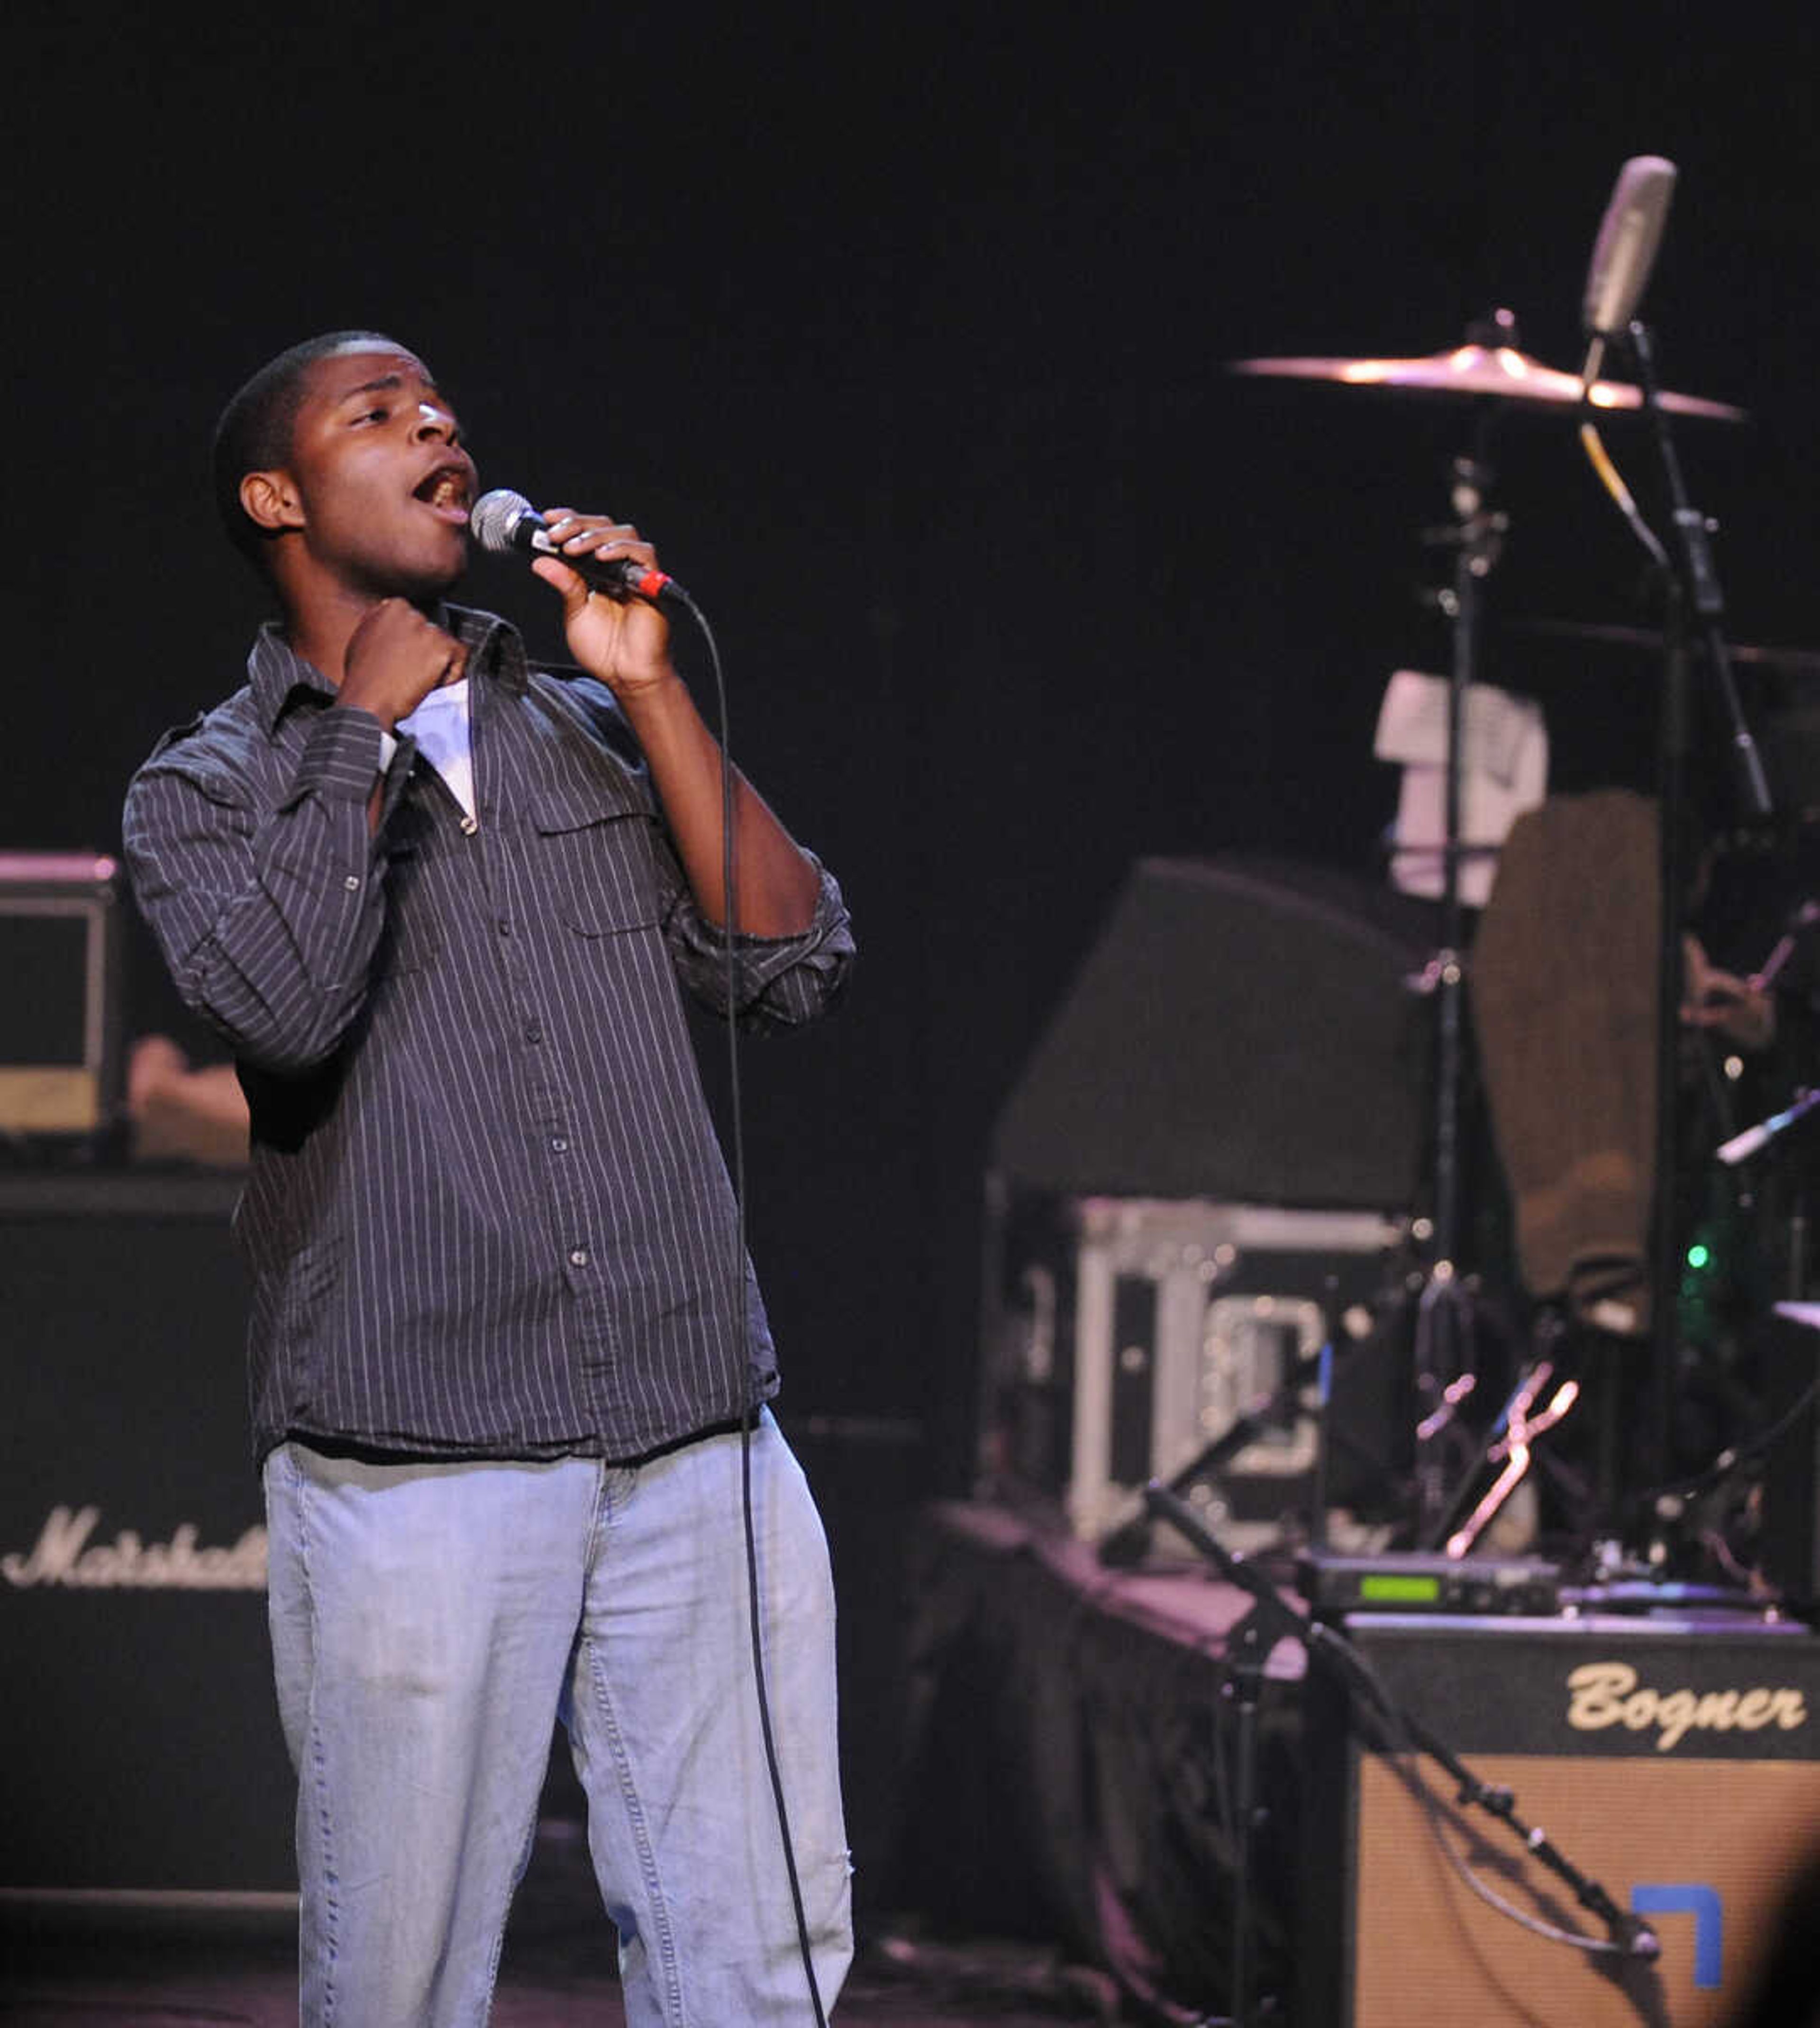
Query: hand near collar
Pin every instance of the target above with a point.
(395, 657)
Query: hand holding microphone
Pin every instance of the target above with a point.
(623, 637)
(504, 521)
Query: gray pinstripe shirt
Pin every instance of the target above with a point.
(487, 1214)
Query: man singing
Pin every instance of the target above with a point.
(508, 1362)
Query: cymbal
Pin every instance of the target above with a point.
(1498, 371)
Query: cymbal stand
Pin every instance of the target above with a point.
(1444, 1378)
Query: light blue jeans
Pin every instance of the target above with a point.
(429, 1624)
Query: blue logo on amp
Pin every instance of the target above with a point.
(1687, 1897)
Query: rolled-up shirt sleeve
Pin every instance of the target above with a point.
(267, 912)
(777, 982)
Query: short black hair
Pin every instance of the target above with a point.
(254, 431)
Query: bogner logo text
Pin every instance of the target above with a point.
(65, 1554)
(1606, 1693)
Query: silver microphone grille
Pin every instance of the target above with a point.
(494, 516)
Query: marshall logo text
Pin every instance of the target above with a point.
(1603, 1693)
(64, 1555)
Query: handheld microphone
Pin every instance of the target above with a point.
(1629, 236)
(503, 521)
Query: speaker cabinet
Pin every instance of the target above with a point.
(1671, 1763)
(145, 1755)
(1242, 1031)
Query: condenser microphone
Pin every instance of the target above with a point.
(504, 521)
(1625, 249)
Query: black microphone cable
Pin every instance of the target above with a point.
(736, 1162)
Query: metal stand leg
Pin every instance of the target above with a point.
(1442, 1354)
(1248, 1649)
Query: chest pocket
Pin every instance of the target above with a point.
(600, 869)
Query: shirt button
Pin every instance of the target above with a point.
(578, 1256)
(352, 882)
(559, 1144)
(470, 826)
(533, 1032)
(505, 927)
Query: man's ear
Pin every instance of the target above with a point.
(270, 500)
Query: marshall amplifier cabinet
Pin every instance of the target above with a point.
(1132, 1333)
(143, 1758)
(1673, 1761)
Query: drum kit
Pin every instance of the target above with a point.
(1454, 1416)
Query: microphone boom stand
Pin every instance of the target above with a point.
(1694, 599)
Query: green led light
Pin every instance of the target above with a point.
(1387, 1588)
(1698, 1255)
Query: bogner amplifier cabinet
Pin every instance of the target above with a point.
(1672, 1761)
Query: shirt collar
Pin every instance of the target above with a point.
(280, 677)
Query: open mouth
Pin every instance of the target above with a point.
(445, 490)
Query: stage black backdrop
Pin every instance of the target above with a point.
(903, 331)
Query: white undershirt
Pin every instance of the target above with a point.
(439, 726)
